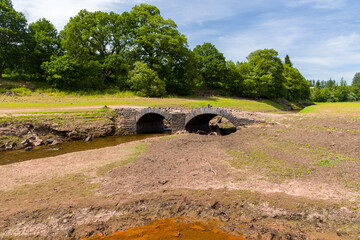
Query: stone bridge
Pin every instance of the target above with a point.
(146, 120)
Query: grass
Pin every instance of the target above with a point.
(56, 117)
(347, 108)
(260, 161)
(327, 162)
(50, 100)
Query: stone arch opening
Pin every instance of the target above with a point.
(152, 123)
(210, 122)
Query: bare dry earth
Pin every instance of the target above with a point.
(296, 178)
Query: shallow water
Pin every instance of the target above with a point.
(10, 157)
(172, 228)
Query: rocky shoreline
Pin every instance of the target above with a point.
(28, 131)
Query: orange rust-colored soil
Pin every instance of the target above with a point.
(172, 228)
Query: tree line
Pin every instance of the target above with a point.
(140, 51)
(332, 91)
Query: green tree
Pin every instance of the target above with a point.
(264, 75)
(211, 66)
(145, 81)
(157, 42)
(287, 61)
(95, 37)
(67, 73)
(355, 92)
(330, 83)
(116, 42)
(296, 85)
(356, 80)
(43, 43)
(12, 35)
(98, 36)
(234, 78)
(343, 83)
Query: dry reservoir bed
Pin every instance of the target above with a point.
(295, 177)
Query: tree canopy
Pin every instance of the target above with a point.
(264, 75)
(12, 35)
(157, 42)
(211, 66)
(145, 81)
(356, 80)
(43, 43)
(296, 85)
(287, 60)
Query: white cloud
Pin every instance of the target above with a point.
(324, 4)
(317, 54)
(183, 12)
(281, 34)
(345, 43)
(188, 12)
(59, 12)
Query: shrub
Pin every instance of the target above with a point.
(145, 81)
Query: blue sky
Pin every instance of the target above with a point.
(322, 37)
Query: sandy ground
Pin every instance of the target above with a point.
(271, 179)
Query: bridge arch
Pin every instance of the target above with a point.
(199, 118)
(151, 120)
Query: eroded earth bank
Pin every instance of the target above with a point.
(293, 177)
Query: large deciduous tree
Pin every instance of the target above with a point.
(12, 35)
(91, 37)
(43, 43)
(264, 75)
(115, 42)
(98, 36)
(157, 42)
(210, 65)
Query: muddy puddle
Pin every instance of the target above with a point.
(172, 228)
(68, 147)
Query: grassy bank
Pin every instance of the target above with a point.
(50, 101)
(344, 108)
